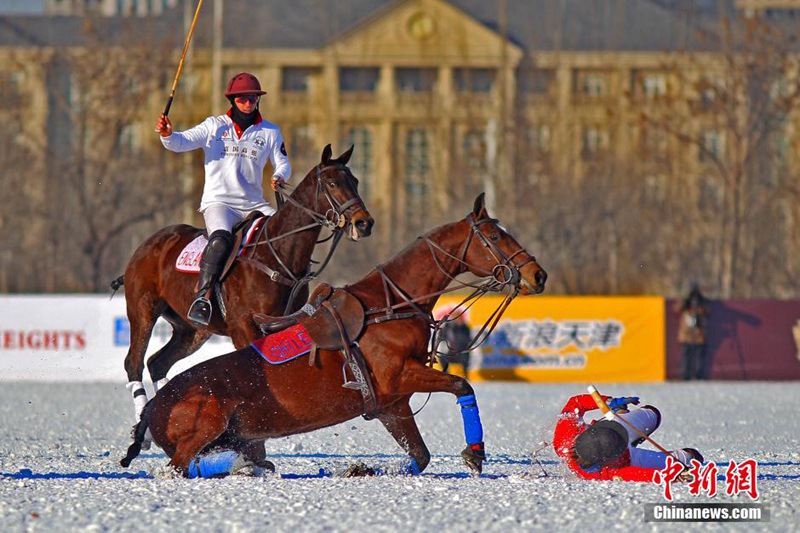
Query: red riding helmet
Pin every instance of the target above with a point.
(242, 84)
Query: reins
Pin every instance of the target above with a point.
(333, 219)
(495, 283)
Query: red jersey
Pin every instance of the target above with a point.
(571, 424)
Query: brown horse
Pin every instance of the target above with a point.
(259, 284)
(237, 400)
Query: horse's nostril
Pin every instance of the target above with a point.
(364, 225)
(540, 277)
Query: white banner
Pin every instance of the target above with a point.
(77, 337)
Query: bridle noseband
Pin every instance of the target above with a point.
(334, 217)
(505, 263)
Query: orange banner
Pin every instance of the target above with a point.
(569, 339)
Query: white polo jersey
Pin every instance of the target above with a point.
(234, 160)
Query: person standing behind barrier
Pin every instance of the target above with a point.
(693, 334)
(237, 146)
(456, 337)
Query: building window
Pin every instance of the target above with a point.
(591, 84)
(297, 79)
(594, 142)
(535, 81)
(709, 89)
(474, 80)
(649, 84)
(474, 149)
(302, 148)
(358, 79)
(360, 137)
(713, 146)
(417, 167)
(538, 139)
(415, 80)
(11, 88)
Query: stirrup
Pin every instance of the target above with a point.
(200, 311)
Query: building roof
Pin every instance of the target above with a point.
(572, 25)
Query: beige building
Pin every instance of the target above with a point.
(442, 99)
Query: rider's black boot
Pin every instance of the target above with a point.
(211, 265)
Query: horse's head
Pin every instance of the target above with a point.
(337, 196)
(490, 251)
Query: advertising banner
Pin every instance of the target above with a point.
(76, 337)
(565, 339)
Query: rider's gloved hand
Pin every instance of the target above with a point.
(622, 402)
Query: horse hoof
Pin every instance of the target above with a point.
(250, 469)
(474, 456)
(358, 470)
(266, 465)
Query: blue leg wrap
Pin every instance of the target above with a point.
(473, 430)
(212, 465)
(411, 468)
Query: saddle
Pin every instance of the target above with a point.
(334, 320)
(329, 308)
(241, 233)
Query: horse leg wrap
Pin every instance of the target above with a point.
(411, 468)
(215, 464)
(473, 430)
(139, 397)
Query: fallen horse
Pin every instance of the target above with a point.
(374, 335)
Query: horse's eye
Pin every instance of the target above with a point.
(494, 237)
(332, 184)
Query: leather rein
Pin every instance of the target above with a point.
(333, 219)
(504, 274)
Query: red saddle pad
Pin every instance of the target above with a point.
(285, 345)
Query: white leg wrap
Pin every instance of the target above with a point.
(159, 384)
(139, 398)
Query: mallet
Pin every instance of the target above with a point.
(608, 414)
(183, 56)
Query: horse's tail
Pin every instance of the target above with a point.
(116, 284)
(138, 433)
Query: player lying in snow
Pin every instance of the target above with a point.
(606, 449)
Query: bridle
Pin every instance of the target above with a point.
(505, 274)
(335, 219)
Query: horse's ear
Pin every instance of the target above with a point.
(479, 209)
(326, 155)
(345, 157)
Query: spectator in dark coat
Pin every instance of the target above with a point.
(693, 334)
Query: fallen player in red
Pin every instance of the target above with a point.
(607, 449)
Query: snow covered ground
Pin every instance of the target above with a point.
(60, 446)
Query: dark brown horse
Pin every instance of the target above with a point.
(237, 400)
(261, 284)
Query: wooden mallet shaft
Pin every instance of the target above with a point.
(183, 57)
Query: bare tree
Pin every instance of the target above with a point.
(96, 184)
(730, 109)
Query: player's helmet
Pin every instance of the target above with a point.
(243, 84)
(601, 442)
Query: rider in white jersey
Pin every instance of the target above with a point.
(237, 146)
